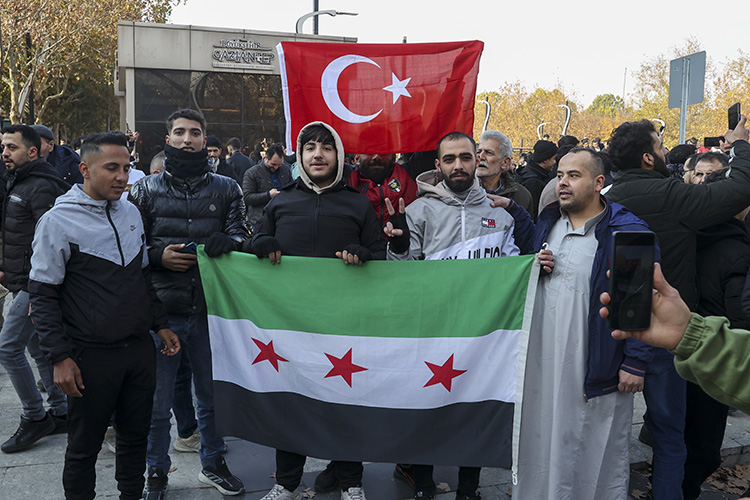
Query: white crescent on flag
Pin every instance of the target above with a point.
(329, 88)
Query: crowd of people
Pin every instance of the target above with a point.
(88, 239)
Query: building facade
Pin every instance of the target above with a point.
(231, 76)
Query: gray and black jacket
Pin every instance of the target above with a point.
(89, 284)
(443, 226)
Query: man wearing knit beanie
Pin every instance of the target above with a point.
(537, 173)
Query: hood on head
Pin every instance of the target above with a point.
(339, 156)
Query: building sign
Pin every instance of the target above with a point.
(243, 54)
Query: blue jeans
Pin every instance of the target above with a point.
(665, 394)
(193, 333)
(184, 411)
(14, 338)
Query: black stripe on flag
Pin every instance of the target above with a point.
(465, 434)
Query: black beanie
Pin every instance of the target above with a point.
(213, 142)
(544, 150)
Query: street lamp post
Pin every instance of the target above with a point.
(317, 13)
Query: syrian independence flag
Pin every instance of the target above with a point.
(380, 98)
(410, 362)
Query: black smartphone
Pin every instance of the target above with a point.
(712, 142)
(191, 247)
(734, 115)
(631, 280)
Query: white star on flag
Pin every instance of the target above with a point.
(398, 87)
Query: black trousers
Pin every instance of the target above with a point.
(119, 380)
(705, 423)
(468, 479)
(289, 468)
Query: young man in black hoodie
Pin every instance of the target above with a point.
(187, 204)
(319, 215)
(33, 185)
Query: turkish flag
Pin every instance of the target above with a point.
(380, 98)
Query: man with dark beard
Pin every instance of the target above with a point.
(675, 211)
(379, 178)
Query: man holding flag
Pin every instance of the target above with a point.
(319, 215)
(452, 219)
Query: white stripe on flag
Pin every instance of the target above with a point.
(395, 375)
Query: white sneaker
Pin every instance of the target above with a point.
(353, 494)
(110, 439)
(278, 492)
(188, 444)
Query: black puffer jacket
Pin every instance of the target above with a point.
(723, 261)
(177, 210)
(676, 211)
(31, 190)
(319, 225)
(533, 177)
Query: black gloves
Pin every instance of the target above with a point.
(363, 253)
(263, 246)
(399, 244)
(218, 244)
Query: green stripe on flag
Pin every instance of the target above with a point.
(447, 298)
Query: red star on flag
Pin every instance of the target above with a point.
(267, 353)
(443, 374)
(343, 367)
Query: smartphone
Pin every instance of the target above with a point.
(191, 247)
(631, 280)
(712, 142)
(734, 115)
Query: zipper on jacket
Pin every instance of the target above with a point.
(315, 224)
(117, 235)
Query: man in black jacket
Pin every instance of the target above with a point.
(264, 181)
(33, 185)
(187, 204)
(675, 211)
(318, 216)
(238, 161)
(64, 159)
(538, 172)
(216, 161)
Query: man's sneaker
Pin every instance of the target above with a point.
(326, 480)
(475, 496)
(278, 492)
(403, 472)
(156, 485)
(353, 493)
(188, 444)
(423, 495)
(28, 433)
(220, 478)
(61, 424)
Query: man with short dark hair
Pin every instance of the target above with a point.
(538, 172)
(264, 181)
(495, 153)
(708, 162)
(451, 219)
(89, 249)
(675, 211)
(64, 159)
(187, 204)
(577, 402)
(33, 185)
(238, 161)
(318, 215)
